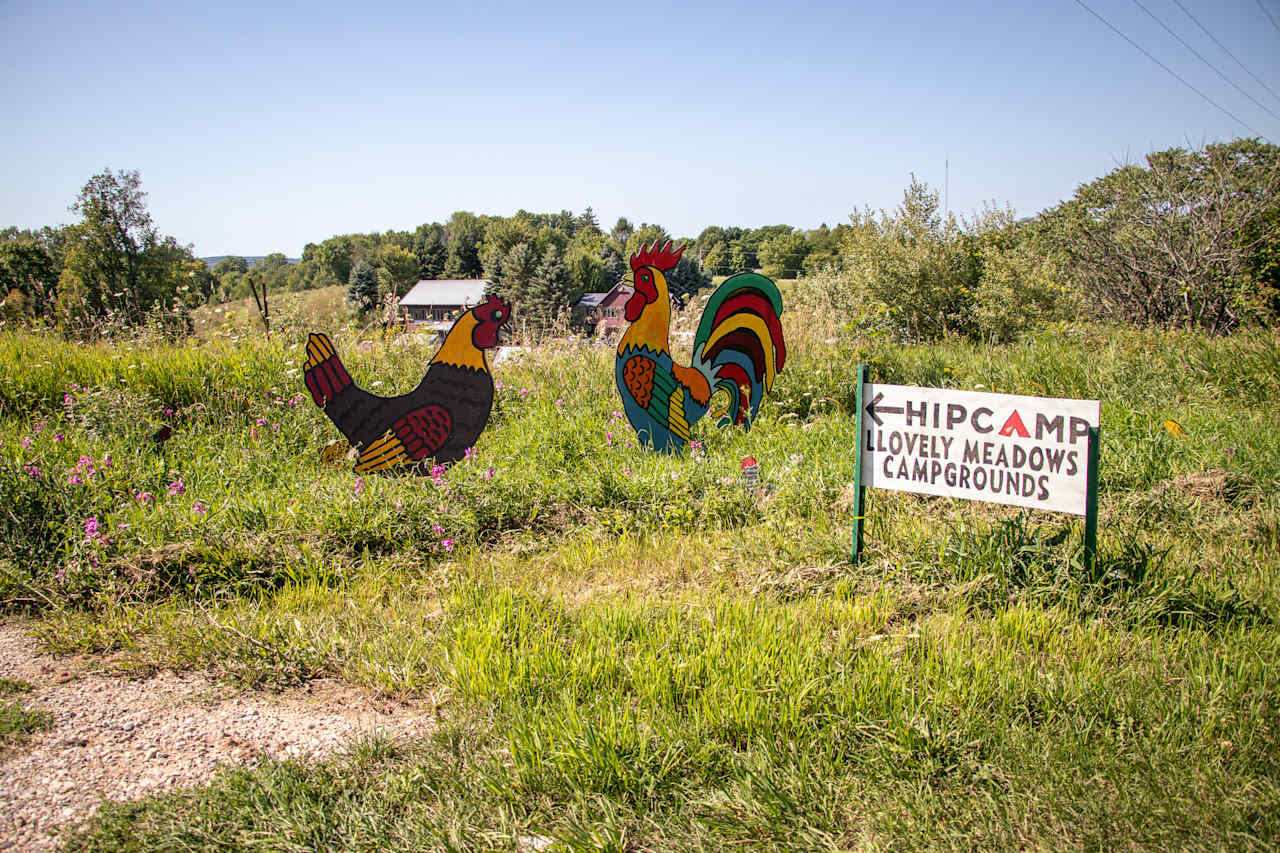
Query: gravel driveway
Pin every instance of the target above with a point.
(121, 739)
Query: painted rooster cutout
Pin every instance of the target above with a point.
(437, 421)
(737, 352)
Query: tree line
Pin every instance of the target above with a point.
(1187, 238)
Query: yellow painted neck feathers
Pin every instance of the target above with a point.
(652, 327)
(459, 349)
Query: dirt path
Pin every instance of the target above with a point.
(122, 739)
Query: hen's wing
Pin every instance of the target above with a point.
(414, 437)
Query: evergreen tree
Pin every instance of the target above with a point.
(551, 290)
(615, 267)
(511, 277)
(362, 286)
(428, 245)
(588, 222)
(686, 279)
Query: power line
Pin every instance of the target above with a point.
(1172, 73)
(1212, 67)
(1214, 38)
(1268, 14)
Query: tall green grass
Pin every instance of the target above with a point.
(630, 651)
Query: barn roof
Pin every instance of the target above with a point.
(450, 291)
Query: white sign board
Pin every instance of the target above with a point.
(1003, 448)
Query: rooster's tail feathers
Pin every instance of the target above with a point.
(323, 373)
(740, 341)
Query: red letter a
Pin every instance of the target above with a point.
(1014, 424)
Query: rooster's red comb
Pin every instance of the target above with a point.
(651, 256)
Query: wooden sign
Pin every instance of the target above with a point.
(1035, 452)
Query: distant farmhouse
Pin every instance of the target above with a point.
(436, 303)
(602, 312)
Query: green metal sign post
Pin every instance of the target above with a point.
(860, 495)
(1091, 502)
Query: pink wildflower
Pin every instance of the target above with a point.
(74, 479)
(26, 442)
(91, 528)
(524, 392)
(145, 497)
(199, 508)
(33, 471)
(435, 528)
(177, 487)
(608, 438)
(68, 400)
(616, 415)
(107, 462)
(447, 544)
(261, 421)
(468, 453)
(437, 471)
(626, 472)
(59, 437)
(359, 486)
(488, 475)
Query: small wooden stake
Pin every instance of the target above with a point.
(860, 499)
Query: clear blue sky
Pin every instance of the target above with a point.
(259, 127)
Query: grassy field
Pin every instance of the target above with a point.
(630, 652)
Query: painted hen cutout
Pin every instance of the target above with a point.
(437, 421)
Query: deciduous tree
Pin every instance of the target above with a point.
(1169, 242)
(115, 230)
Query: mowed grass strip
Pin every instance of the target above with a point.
(793, 726)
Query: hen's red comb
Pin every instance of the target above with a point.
(651, 256)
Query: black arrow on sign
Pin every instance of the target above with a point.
(891, 410)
